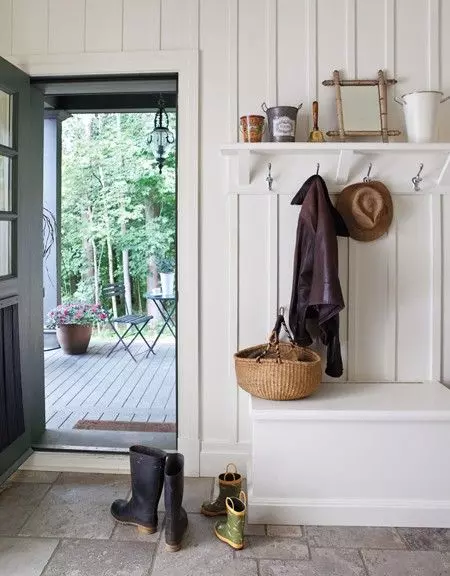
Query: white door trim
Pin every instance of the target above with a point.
(185, 64)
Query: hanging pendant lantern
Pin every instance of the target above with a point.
(161, 136)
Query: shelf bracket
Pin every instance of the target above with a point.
(444, 176)
(343, 167)
(244, 167)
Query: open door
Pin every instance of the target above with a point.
(22, 411)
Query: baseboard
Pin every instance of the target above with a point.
(350, 512)
(214, 456)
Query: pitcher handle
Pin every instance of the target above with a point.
(445, 99)
(264, 107)
(400, 101)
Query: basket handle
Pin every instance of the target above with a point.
(274, 339)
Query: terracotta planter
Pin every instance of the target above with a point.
(74, 338)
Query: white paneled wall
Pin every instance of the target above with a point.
(279, 51)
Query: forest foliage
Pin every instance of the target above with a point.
(118, 214)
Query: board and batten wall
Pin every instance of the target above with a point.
(279, 51)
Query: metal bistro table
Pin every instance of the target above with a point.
(166, 305)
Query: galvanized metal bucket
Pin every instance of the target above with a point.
(281, 122)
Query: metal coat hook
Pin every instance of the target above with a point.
(416, 180)
(367, 177)
(317, 169)
(269, 178)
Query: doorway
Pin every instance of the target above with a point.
(110, 223)
(26, 281)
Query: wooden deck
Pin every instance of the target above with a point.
(93, 386)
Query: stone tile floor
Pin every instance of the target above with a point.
(59, 525)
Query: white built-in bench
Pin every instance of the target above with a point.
(353, 454)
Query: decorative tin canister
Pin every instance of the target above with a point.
(252, 127)
(282, 122)
(421, 113)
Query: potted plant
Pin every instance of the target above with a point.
(166, 269)
(73, 323)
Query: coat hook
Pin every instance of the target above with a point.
(317, 169)
(367, 177)
(417, 179)
(269, 178)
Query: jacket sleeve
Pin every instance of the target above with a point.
(301, 284)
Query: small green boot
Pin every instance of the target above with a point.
(231, 530)
(229, 487)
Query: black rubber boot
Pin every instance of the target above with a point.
(147, 478)
(176, 517)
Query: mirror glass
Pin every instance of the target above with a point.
(360, 108)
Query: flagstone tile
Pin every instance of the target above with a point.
(255, 529)
(324, 562)
(406, 563)
(426, 538)
(282, 530)
(17, 503)
(25, 556)
(100, 557)
(202, 554)
(353, 537)
(274, 547)
(77, 506)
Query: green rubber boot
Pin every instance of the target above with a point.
(229, 487)
(231, 530)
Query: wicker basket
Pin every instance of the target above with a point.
(278, 370)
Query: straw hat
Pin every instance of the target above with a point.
(367, 210)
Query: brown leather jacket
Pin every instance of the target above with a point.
(316, 291)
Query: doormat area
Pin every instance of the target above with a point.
(118, 425)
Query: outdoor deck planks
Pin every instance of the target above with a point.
(96, 387)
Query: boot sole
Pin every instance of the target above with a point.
(229, 542)
(141, 529)
(173, 547)
(212, 514)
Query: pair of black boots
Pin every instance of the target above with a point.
(151, 469)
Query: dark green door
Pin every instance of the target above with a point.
(22, 408)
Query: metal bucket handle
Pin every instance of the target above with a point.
(400, 100)
(264, 107)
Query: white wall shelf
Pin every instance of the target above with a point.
(345, 151)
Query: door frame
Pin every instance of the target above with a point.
(185, 64)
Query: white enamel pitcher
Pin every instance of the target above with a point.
(421, 114)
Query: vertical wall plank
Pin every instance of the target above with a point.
(414, 287)
(141, 25)
(444, 112)
(5, 27)
(179, 24)
(369, 328)
(331, 54)
(253, 67)
(350, 38)
(218, 322)
(446, 290)
(292, 60)
(411, 45)
(371, 38)
(66, 26)
(104, 35)
(30, 27)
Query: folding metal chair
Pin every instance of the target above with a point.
(136, 321)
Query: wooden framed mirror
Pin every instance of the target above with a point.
(361, 107)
